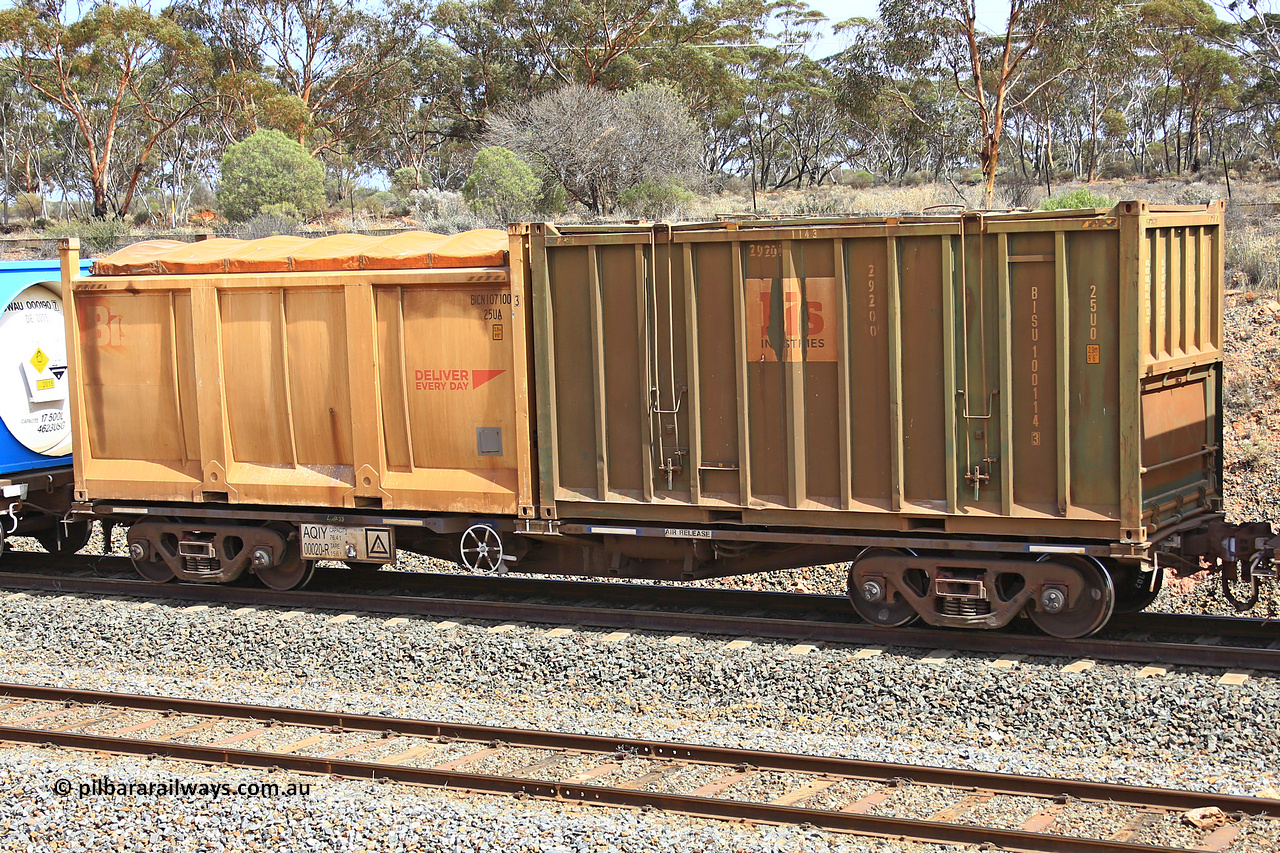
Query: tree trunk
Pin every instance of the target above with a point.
(99, 198)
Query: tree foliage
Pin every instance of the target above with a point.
(269, 170)
(501, 186)
(597, 143)
(119, 71)
(110, 109)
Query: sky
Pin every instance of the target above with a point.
(991, 13)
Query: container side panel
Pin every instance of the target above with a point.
(867, 270)
(391, 373)
(129, 377)
(460, 377)
(1034, 318)
(1095, 350)
(821, 374)
(923, 391)
(184, 341)
(625, 399)
(319, 386)
(772, 322)
(253, 369)
(574, 382)
(717, 371)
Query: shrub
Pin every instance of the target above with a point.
(655, 199)
(97, 236)
(268, 168)
(1255, 451)
(1076, 199)
(268, 224)
(1238, 394)
(442, 211)
(859, 180)
(282, 210)
(1117, 170)
(501, 186)
(597, 143)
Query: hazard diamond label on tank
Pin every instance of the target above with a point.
(39, 360)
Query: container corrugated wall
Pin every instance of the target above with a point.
(393, 389)
(972, 374)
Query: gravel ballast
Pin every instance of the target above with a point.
(1183, 729)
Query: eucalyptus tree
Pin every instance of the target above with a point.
(944, 40)
(899, 122)
(1200, 74)
(119, 69)
(311, 68)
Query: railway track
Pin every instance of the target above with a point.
(1198, 641)
(707, 782)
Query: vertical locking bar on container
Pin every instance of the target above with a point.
(793, 366)
(69, 257)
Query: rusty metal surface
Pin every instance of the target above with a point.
(962, 370)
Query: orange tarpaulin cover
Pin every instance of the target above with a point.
(408, 250)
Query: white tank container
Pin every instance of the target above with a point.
(33, 371)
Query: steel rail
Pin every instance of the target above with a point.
(757, 625)
(995, 783)
(834, 608)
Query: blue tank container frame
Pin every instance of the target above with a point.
(15, 277)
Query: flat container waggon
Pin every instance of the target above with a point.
(986, 415)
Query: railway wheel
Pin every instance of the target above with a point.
(1135, 589)
(64, 538)
(1059, 617)
(147, 563)
(292, 572)
(154, 569)
(873, 599)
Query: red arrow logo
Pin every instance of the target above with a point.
(479, 377)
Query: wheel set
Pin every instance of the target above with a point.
(1066, 596)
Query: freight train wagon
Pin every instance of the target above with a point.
(35, 426)
(987, 415)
